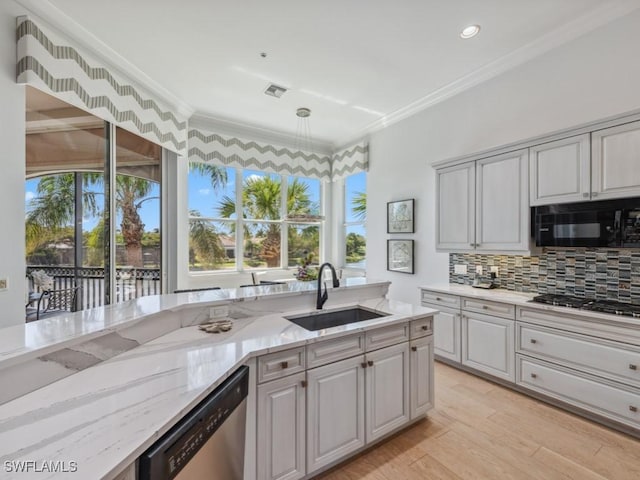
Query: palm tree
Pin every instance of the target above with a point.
(53, 208)
(204, 241)
(262, 200)
(131, 192)
(217, 174)
(359, 205)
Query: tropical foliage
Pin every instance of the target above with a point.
(51, 215)
(262, 200)
(359, 206)
(204, 242)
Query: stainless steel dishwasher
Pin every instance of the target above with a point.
(208, 442)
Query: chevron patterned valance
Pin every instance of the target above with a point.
(49, 62)
(350, 160)
(237, 152)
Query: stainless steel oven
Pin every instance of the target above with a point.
(612, 223)
(208, 442)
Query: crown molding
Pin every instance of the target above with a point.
(254, 132)
(600, 16)
(63, 24)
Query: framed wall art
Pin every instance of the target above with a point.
(400, 216)
(400, 256)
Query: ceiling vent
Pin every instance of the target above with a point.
(275, 91)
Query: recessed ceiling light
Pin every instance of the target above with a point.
(470, 31)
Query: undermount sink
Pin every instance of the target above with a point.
(335, 318)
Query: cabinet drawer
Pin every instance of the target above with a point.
(487, 307)
(383, 337)
(328, 351)
(598, 396)
(420, 327)
(600, 357)
(441, 299)
(280, 364)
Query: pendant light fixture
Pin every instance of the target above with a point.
(305, 147)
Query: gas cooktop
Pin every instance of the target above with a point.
(602, 306)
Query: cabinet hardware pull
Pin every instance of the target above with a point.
(370, 363)
(472, 244)
(485, 307)
(533, 375)
(438, 299)
(633, 366)
(594, 194)
(425, 327)
(363, 364)
(633, 408)
(284, 364)
(415, 349)
(585, 195)
(303, 383)
(533, 340)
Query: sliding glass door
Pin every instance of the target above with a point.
(92, 200)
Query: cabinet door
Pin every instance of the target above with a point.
(615, 159)
(560, 171)
(387, 390)
(421, 395)
(446, 331)
(281, 429)
(502, 202)
(455, 214)
(335, 411)
(488, 344)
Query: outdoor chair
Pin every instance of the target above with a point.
(53, 302)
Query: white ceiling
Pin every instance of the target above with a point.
(358, 64)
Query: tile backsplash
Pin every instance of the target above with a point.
(582, 272)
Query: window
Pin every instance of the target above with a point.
(244, 219)
(355, 195)
(74, 228)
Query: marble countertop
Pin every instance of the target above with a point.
(494, 294)
(525, 300)
(30, 340)
(104, 417)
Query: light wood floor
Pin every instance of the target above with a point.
(480, 430)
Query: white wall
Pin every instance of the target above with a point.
(593, 77)
(12, 153)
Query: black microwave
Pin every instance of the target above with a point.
(609, 223)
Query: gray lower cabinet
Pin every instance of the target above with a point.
(577, 360)
(592, 365)
(281, 428)
(446, 332)
(488, 344)
(335, 411)
(618, 402)
(354, 390)
(421, 381)
(387, 390)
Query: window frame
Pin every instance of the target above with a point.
(240, 222)
(346, 224)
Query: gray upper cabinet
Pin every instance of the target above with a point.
(502, 202)
(456, 207)
(615, 167)
(560, 171)
(484, 205)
